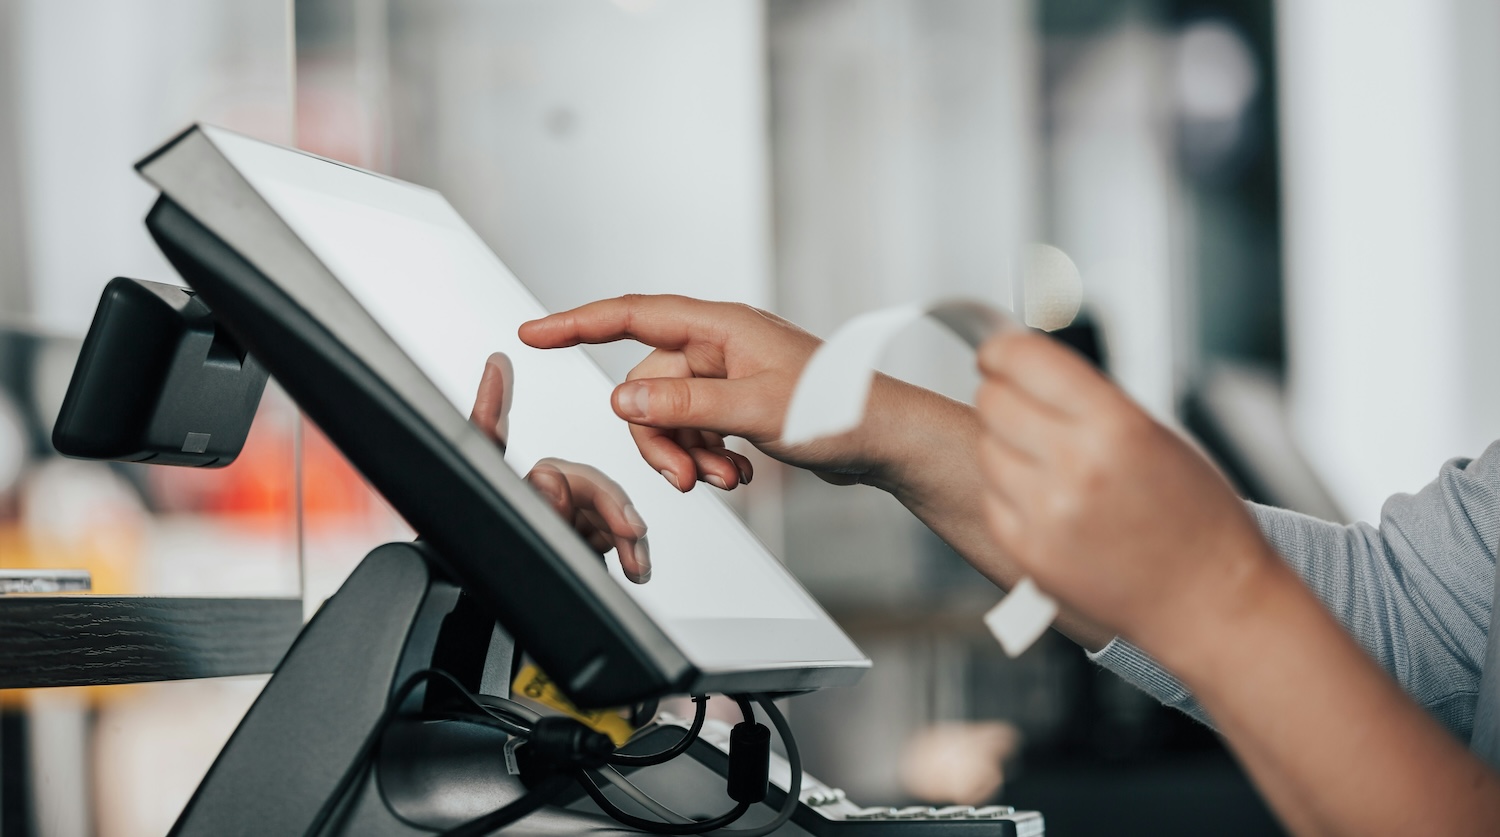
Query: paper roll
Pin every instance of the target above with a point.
(830, 399)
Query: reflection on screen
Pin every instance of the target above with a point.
(439, 292)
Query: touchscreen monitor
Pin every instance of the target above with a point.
(377, 306)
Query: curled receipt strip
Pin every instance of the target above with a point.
(830, 399)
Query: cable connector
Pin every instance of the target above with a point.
(557, 744)
(749, 762)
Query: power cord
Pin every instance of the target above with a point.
(742, 792)
(700, 713)
(642, 798)
(749, 758)
(652, 826)
(783, 816)
(361, 758)
(515, 709)
(794, 764)
(561, 750)
(560, 738)
(505, 725)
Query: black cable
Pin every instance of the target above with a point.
(591, 787)
(519, 711)
(793, 794)
(505, 725)
(509, 813)
(672, 752)
(361, 758)
(745, 709)
(794, 765)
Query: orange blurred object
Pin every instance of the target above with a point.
(261, 483)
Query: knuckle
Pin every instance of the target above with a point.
(633, 309)
(676, 399)
(1008, 350)
(1095, 461)
(1061, 505)
(1027, 346)
(992, 352)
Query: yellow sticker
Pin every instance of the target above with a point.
(537, 686)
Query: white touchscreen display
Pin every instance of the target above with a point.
(438, 291)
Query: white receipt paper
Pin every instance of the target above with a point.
(830, 399)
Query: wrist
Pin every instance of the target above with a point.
(907, 435)
(1191, 640)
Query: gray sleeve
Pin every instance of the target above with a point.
(1415, 591)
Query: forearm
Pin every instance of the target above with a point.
(922, 451)
(1383, 586)
(1319, 716)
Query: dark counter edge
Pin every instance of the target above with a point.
(86, 640)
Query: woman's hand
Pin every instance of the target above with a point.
(598, 508)
(719, 369)
(1112, 513)
(722, 369)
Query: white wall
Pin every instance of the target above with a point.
(1115, 200)
(97, 86)
(905, 149)
(599, 147)
(1389, 120)
(904, 139)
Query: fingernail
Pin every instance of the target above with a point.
(671, 479)
(744, 474)
(716, 481)
(549, 492)
(634, 400)
(643, 560)
(635, 520)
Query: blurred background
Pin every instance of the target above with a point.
(1283, 214)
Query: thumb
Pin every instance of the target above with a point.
(491, 413)
(728, 407)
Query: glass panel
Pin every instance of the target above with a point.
(93, 88)
(86, 88)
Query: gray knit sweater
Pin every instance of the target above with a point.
(1416, 591)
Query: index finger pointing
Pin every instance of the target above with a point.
(665, 321)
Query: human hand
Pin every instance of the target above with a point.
(1111, 512)
(718, 369)
(597, 507)
(958, 762)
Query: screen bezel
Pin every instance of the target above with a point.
(615, 653)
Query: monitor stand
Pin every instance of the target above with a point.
(392, 617)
